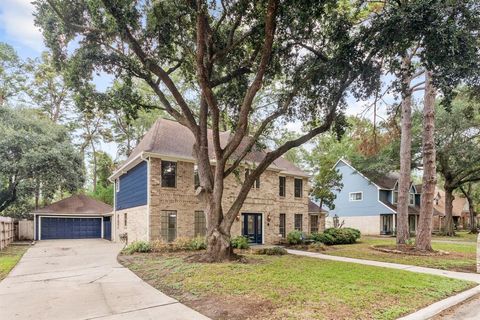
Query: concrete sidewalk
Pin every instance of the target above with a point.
(81, 279)
(445, 273)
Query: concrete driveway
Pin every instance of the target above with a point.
(81, 279)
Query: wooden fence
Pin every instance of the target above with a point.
(6, 232)
(25, 230)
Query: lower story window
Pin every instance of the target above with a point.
(168, 225)
(299, 222)
(386, 223)
(200, 224)
(313, 224)
(282, 229)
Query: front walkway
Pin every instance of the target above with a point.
(450, 274)
(81, 279)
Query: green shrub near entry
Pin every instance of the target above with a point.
(332, 236)
(137, 246)
(197, 243)
(240, 242)
(273, 251)
(295, 237)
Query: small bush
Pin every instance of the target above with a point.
(274, 251)
(179, 244)
(295, 237)
(326, 238)
(240, 242)
(316, 247)
(137, 246)
(343, 235)
(198, 243)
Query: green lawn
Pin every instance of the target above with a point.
(463, 236)
(461, 257)
(291, 287)
(9, 258)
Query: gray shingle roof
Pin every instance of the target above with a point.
(77, 204)
(170, 138)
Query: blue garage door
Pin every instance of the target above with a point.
(71, 228)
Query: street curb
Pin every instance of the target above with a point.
(437, 307)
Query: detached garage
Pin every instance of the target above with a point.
(76, 217)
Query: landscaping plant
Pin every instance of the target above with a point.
(240, 242)
(295, 237)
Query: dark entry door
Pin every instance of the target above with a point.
(252, 227)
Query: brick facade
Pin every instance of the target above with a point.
(137, 223)
(182, 199)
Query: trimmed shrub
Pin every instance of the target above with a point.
(239, 242)
(295, 237)
(198, 243)
(137, 246)
(274, 251)
(333, 236)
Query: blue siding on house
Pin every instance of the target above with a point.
(355, 182)
(133, 188)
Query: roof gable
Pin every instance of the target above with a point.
(171, 139)
(77, 204)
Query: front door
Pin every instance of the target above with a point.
(252, 227)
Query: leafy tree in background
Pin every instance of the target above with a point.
(310, 54)
(12, 75)
(458, 149)
(104, 169)
(37, 158)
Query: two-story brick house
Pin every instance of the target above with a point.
(155, 193)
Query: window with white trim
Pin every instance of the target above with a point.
(395, 197)
(355, 196)
(117, 184)
(411, 199)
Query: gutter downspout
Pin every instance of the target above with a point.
(145, 157)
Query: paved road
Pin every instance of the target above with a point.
(81, 279)
(468, 310)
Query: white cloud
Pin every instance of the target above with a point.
(16, 20)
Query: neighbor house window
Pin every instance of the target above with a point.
(299, 222)
(200, 224)
(282, 225)
(169, 174)
(125, 218)
(168, 225)
(411, 199)
(356, 196)
(256, 184)
(395, 197)
(117, 185)
(298, 188)
(196, 178)
(313, 224)
(282, 183)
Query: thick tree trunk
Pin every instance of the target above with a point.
(405, 162)
(218, 246)
(424, 234)
(473, 218)
(94, 157)
(449, 230)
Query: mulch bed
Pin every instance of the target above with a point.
(408, 250)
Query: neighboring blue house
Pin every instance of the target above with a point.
(369, 204)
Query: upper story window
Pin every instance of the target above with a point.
(355, 196)
(256, 184)
(282, 183)
(117, 185)
(169, 174)
(196, 178)
(411, 198)
(298, 188)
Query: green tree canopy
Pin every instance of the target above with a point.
(36, 158)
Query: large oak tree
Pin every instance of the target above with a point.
(252, 65)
